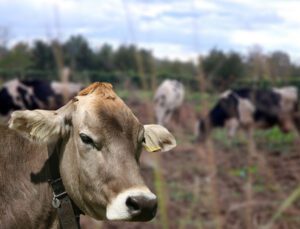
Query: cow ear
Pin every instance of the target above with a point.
(158, 139)
(42, 125)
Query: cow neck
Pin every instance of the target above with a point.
(67, 211)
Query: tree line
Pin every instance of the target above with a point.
(130, 65)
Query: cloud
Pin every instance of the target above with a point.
(184, 28)
(170, 51)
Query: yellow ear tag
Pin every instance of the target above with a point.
(152, 148)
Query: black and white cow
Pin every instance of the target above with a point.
(252, 108)
(34, 94)
(168, 97)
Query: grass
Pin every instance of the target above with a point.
(243, 172)
(197, 98)
(295, 195)
(271, 140)
(140, 94)
(274, 140)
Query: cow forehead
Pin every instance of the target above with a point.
(105, 113)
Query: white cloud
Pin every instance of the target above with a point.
(280, 35)
(169, 28)
(170, 51)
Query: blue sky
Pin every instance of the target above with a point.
(176, 29)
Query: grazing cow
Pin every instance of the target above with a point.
(34, 94)
(168, 97)
(248, 108)
(98, 141)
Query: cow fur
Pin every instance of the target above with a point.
(25, 194)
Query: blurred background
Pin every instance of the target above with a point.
(210, 46)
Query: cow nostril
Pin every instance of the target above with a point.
(154, 208)
(141, 208)
(132, 204)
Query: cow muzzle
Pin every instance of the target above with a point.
(136, 204)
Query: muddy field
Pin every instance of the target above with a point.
(235, 185)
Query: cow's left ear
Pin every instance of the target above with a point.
(42, 125)
(158, 139)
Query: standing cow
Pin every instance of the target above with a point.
(253, 108)
(98, 142)
(168, 97)
(34, 94)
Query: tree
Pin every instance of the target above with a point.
(103, 59)
(257, 64)
(146, 60)
(295, 71)
(4, 35)
(124, 58)
(78, 53)
(17, 59)
(222, 69)
(43, 57)
(280, 65)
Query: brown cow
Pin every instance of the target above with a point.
(99, 142)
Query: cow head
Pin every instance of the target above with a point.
(99, 155)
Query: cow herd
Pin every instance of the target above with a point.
(98, 142)
(253, 108)
(244, 108)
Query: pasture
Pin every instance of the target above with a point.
(213, 49)
(226, 183)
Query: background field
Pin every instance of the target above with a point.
(227, 183)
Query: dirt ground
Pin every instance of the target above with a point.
(212, 186)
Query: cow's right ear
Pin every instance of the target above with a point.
(158, 139)
(42, 125)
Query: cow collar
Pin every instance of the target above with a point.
(67, 211)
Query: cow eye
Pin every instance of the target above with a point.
(86, 139)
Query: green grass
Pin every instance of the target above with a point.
(243, 172)
(274, 140)
(197, 99)
(271, 140)
(141, 95)
(124, 94)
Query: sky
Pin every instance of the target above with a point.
(174, 29)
